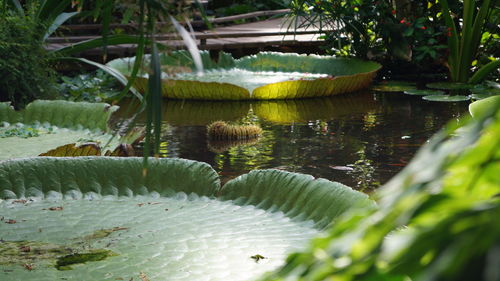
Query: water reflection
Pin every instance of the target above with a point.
(359, 139)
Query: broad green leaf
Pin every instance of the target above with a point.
(423, 92)
(483, 72)
(60, 19)
(446, 98)
(483, 105)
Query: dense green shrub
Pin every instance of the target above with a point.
(413, 31)
(24, 63)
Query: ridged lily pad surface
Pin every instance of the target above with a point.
(44, 125)
(263, 76)
(175, 223)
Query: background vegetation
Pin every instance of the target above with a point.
(25, 70)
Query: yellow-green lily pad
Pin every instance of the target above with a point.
(263, 76)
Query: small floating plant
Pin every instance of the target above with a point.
(442, 91)
(220, 130)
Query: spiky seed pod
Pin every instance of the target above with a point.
(220, 130)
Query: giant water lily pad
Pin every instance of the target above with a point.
(45, 125)
(262, 76)
(177, 223)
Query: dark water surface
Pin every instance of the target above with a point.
(360, 139)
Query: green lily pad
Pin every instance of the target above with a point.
(446, 98)
(482, 93)
(176, 222)
(449, 86)
(394, 86)
(44, 125)
(266, 75)
(423, 92)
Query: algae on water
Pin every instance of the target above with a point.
(65, 262)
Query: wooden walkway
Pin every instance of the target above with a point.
(257, 35)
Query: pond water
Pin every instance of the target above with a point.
(359, 139)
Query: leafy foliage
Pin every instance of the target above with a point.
(24, 63)
(436, 219)
(24, 131)
(423, 32)
(95, 87)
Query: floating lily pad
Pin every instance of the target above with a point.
(176, 222)
(483, 93)
(449, 86)
(446, 98)
(44, 125)
(416, 92)
(262, 76)
(394, 86)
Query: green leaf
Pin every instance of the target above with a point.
(96, 43)
(111, 71)
(60, 19)
(446, 98)
(18, 6)
(484, 71)
(423, 92)
(484, 105)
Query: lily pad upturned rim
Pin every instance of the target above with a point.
(298, 196)
(60, 113)
(339, 82)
